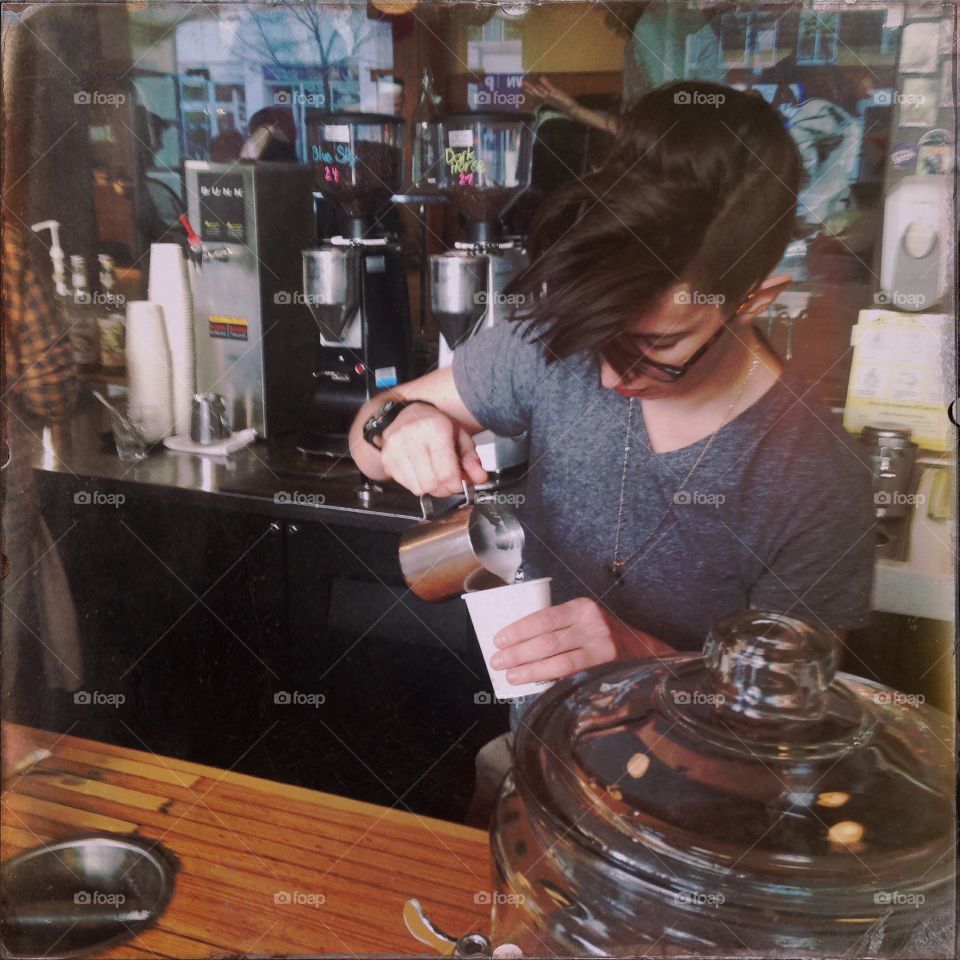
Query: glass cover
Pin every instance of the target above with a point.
(358, 159)
(486, 161)
(753, 769)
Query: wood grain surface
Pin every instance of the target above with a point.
(265, 867)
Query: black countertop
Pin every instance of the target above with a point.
(270, 480)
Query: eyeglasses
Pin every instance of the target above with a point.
(661, 372)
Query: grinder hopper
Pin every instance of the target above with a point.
(331, 288)
(458, 293)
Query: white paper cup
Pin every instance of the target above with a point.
(169, 286)
(149, 369)
(491, 611)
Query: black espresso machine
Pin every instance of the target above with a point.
(297, 334)
(355, 283)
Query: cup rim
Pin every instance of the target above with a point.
(506, 586)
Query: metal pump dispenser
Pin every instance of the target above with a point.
(56, 254)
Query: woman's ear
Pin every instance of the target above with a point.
(762, 295)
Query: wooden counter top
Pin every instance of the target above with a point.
(264, 867)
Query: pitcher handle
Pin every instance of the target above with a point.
(429, 504)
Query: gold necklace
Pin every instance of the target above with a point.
(616, 566)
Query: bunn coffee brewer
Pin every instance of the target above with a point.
(354, 283)
(255, 343)
(485, 164)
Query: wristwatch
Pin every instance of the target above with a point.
(387, 414)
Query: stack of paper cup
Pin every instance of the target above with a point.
(169, 286)
(149, 369)
(491, 611)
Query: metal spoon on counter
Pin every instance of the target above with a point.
(429, 934)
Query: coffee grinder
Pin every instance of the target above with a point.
(354, 283)
(485, 164)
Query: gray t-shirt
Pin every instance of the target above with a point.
(777, 515)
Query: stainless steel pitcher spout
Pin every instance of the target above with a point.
(439, 554)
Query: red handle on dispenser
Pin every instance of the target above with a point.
(192, 237)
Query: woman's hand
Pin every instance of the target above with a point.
(426, 451)
(549, 93)
(553, 96)
(569, 637)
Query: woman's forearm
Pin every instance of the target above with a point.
(594, 118)
(636, 644)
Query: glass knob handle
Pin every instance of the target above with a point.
(770, 665)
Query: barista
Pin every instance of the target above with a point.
(677, 470)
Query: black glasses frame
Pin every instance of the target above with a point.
(668, 372)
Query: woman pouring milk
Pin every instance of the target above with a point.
(677, 471)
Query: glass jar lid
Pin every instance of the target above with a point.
(754, 769)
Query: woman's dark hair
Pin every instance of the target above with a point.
(700, 186)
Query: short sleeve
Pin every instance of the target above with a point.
(496, 372)
(823, 571)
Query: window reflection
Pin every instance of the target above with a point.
(311, 56)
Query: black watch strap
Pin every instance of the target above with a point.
(389, 412)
